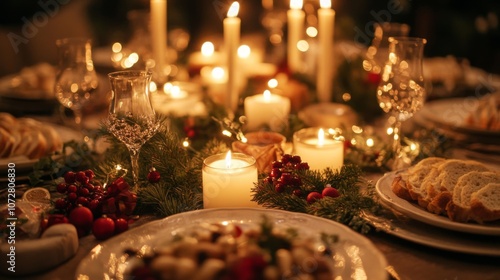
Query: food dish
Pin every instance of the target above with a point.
(357, 254)
(24, 165)
(450, 114)
(383, 188)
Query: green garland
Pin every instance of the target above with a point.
(356, 195)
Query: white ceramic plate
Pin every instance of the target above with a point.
(414, 211)
(451, 114)
(359, 258)
(428, 235)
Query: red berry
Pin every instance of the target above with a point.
(61, 204)
(103, 228)
(61, 187)
(90, 174)
(56, 219)
(296, 159)
(331, 192)
(81, 217)
(121, 225)
(72, 196)
(90, 187)
(286, 158)
(286, 178)
(81, 177)
(82, 201)
(154, 177)
(313, 197)
(277, 164)
(94, 204)
(280, 187)
(297, 192)
(303, 166)
(72, 188)
(84, 192)
(275, 173)
(69, 177)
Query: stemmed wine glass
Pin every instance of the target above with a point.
(131, 117)
(76, 79)
(401, 91)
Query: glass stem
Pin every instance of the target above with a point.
(134, 160)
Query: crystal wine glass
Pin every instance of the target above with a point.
(401, 91)
(131, 117)
(76, 79)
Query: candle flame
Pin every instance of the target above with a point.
(296, 4)
(321, 137)
(273, 83)
(233, 9)
(207, 49)
(325, 4)
(228, 159)
(267, 95)
(244, 51)
(218, 73)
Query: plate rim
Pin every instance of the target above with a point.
(384, 191)
(347, 233)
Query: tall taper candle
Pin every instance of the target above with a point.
(326, 23)
(159, 37)
(296, 18)
(232, 26)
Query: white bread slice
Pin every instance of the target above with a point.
(418, 173)
(485, 203)
(458, 209)
(440, 190)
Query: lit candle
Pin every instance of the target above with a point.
(319, 149)
(178, 99)
(326, 18)
(267, 109)
(231, 42)
(159, 36)
(207, 56)
(228, 180)
(295, 16)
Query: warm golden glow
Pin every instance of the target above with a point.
(325, 4)
(117, 47)
(233, 10)
(272, 83)
(267, 95)
(228, 159)
(218, 73)
(303, 45)
(244, 51)
(207, 49)
(296, 4)
(312, 31)
(321, 137)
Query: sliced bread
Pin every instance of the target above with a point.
(485, 203)
(440, 190)
(458, 209)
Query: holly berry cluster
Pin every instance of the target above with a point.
(91, 207)
(80, 188)
(284, 176)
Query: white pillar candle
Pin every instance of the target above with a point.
(319, 148)
(295, 17)
(231, 42)
(326, 23)
(267, 109)
(228, 180)
(159, 37)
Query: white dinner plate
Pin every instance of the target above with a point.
(358, 257)
(450, 114)
(436, 237)
(383, 188)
